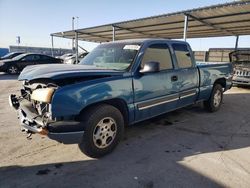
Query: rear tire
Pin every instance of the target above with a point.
(214, 102)
(103, 129)
(12, 69)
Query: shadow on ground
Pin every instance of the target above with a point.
(151, 152)
(5, 76)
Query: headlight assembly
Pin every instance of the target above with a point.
(43, 95)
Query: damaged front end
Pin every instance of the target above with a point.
(34, 113)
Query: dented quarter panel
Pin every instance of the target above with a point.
(209, 73)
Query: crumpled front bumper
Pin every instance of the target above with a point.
(67, 132)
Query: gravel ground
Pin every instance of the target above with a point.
(185, 148)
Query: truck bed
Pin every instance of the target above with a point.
(210, 72)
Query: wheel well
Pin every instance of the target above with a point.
(117, 103)
(221, 81)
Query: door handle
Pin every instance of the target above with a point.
(174, 78)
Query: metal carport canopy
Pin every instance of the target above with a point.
(230, 19)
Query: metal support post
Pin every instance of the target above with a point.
(52, 46)
(185, 28)
(73, 27)
(113, 33)
(236, 42)
(76, 46)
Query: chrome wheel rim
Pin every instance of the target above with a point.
(104, 132)
(12, 70)
(217, 98)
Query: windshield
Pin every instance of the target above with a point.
(117, 56)
(8, 55)
(19, 57)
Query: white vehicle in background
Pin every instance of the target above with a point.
(65, 56)
(241, 63)
(72, 59)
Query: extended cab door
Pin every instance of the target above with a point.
(155, 93)
(187, 73)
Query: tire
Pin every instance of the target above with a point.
(214, 102)
(12, 69)
(103, 129)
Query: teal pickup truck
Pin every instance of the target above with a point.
(117, 84)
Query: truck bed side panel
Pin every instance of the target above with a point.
(209, 74)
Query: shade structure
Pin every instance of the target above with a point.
(230, 19)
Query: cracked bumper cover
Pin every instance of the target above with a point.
(67, 132)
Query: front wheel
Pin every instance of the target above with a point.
(214, 102)
(103, 129)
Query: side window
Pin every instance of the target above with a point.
(36, 57)
(43, 57)
(28, 58)
(182, 55)
(159, 53)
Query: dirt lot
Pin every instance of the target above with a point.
(185, 148)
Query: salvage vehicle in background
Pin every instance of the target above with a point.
(11, 55)
(117, 84)
(18, 63)
(241, 63)
(64, 56)
(72, 59)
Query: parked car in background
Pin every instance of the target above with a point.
(117, 84)
(11, 55)
(241, 63)
(65, 56)
(17, 64)
(72, 59)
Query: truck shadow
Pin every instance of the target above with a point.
(5, 76)
(160, 152)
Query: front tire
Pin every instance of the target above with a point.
(214, 102)
(103, 129)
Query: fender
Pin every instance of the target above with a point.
(71, 99)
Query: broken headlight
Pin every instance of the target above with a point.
(43, 95)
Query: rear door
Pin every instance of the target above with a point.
(44, 59)
(155, 93)
(187, 73)
(48, 60)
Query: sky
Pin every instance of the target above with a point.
(35, 20)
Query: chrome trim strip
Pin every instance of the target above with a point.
(223, 66)
(188, 95)
(159, 103)
(64, 133)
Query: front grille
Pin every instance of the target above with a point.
(242, 73)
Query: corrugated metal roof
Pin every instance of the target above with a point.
(230, 19)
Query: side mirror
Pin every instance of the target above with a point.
(150, 67)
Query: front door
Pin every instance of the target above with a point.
(187, 74)
(27, 60)
(156, 93)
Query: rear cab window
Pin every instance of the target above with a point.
(183, 55)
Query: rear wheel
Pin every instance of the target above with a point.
(214, 102)
(103, 129)
(12, 69)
